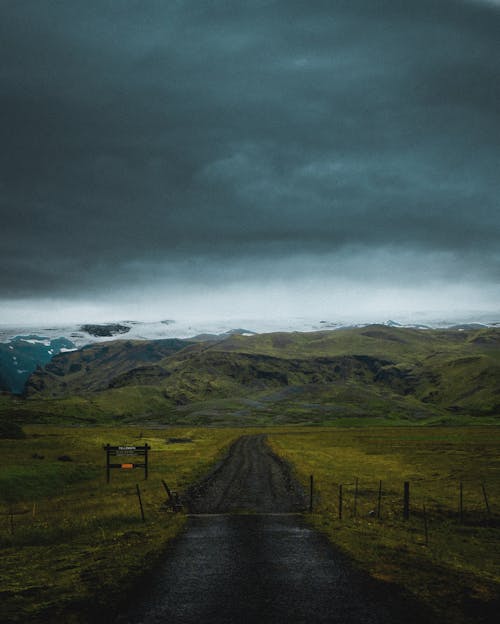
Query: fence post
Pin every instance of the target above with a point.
(486, 502)
(426, 529)
(461, 503)
(107, 449)
(146, 463)
(311, 490)
(140, 502)
(406, 501)
(340, 501)
(167, 490)
(379, 502)
(355, 506)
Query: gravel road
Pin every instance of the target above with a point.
(252, 479)
(245, 557)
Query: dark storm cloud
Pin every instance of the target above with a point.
(136, 135)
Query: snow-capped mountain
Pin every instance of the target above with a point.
(22, 349)
(85, 333)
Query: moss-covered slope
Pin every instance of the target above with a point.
(297, 377)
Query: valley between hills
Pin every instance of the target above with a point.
(365, 375)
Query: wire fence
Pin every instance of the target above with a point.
(462, 503)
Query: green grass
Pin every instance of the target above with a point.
(456, 573)
(74, 544)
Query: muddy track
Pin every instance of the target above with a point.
(251, 479)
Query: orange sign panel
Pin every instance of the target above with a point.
(127, 466)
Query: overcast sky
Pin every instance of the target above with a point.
(334, 157)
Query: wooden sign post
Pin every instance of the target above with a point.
(128, 452)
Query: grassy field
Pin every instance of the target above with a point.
(455, 571)
(71, 545)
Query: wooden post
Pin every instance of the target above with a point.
(406, 501)
(140, 502)
(167, 490)
(461, 503)
(486, 502)
(311, 489)
(34, 510)
(11, 520)
(107, 448)
(379, 502)
(146, 466)
(340, 501)
(426, 529)
(355, 506)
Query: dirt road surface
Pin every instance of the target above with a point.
(252, 479)
(246, 557)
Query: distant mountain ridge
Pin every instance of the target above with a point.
(378, 370)
(21, 355)
(13, 376)
(85, 333)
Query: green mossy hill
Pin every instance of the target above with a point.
(395, 373)
(98, 366)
